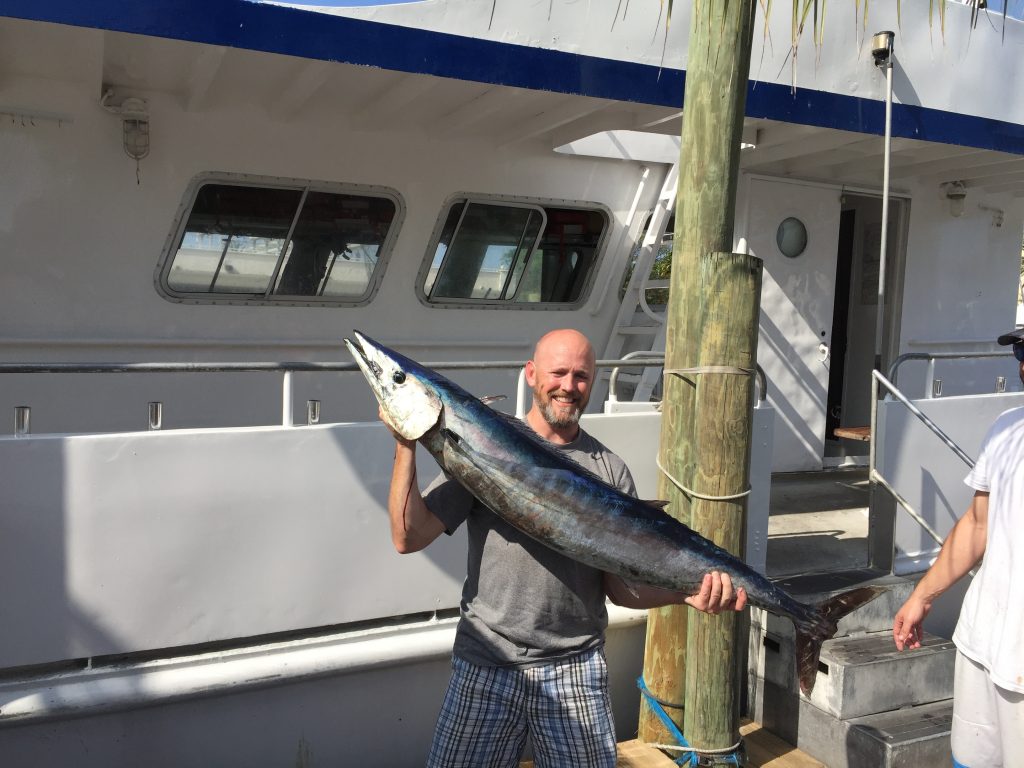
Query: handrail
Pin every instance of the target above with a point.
(875, 476)
(658, 358)
(933, 356)
(286, 369)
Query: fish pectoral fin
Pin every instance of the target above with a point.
(488, 399)
(657, 503)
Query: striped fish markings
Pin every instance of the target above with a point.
(549, 497)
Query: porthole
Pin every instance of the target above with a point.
(791, 237)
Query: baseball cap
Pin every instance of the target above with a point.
(1016, 336)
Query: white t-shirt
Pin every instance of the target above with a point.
(991, 626)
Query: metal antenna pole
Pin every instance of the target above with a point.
(881, 50)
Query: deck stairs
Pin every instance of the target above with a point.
(872, 706)
(638, 328)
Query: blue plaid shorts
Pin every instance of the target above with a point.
(563, 706)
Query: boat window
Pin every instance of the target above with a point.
(513, 254)
(278, 244)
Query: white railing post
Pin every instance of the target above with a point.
(286, 399)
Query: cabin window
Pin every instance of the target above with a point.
(513, 254)
(279, 244)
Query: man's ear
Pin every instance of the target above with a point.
(531, 373)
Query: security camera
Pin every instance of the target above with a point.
(881, 48)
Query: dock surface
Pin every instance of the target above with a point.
(764, 750)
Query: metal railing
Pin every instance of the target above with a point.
(286, 369)
(874, 475)
(931, 357)
(658, 358)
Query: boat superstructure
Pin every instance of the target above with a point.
(203, 198)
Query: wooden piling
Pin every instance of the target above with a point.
(712, 321)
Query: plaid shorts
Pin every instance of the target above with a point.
(563, 706)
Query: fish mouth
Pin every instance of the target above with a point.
(364, 352)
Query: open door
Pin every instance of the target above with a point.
(794, 228)
(855, 318)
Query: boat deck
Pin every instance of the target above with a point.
(818, 521)
(764, 750)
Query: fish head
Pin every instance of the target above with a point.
(406, 394)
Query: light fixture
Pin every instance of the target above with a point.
(134, 114)
(750, 137)
(956, 193)
(881, 48)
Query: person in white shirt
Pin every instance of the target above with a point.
(988, 687)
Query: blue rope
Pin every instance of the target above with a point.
(692, 757)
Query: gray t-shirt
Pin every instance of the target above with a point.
(523, 603)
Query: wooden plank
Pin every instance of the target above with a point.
(636, 754)
(633, 754)
(853, 433)
(766, 750)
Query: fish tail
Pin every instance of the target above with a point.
(826, 615)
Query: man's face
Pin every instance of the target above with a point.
(561, 377)
(1018, 352)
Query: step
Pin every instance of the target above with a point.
(904, 738)
(863, 675)
(915, 736)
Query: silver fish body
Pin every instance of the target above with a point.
(505, 465)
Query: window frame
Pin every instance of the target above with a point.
(514, 201)
(304, 187)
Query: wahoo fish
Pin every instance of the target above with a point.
(551, 498)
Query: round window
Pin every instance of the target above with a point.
(791, 237)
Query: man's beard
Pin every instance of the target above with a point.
(559, 417)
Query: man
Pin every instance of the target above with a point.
(528, 656)
(988, 687)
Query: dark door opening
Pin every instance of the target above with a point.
(840, 321)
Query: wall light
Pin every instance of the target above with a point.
(750, 138)
(956, 193)
(134, 114)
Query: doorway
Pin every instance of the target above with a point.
(855, 317)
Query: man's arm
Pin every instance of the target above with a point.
(716, 594)
(413, 525)
(962, 550)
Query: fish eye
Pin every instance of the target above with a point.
(398, 377)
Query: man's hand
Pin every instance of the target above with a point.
(394, 432)
(906, 627)
(717, 594)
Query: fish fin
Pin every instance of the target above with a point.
(829, 612)
(488, 399)
(657, 503)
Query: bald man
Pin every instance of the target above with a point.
(529, 650)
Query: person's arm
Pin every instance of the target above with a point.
(962, 550)
(413, 525)
(716, 594)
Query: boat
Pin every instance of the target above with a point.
(202, 199)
